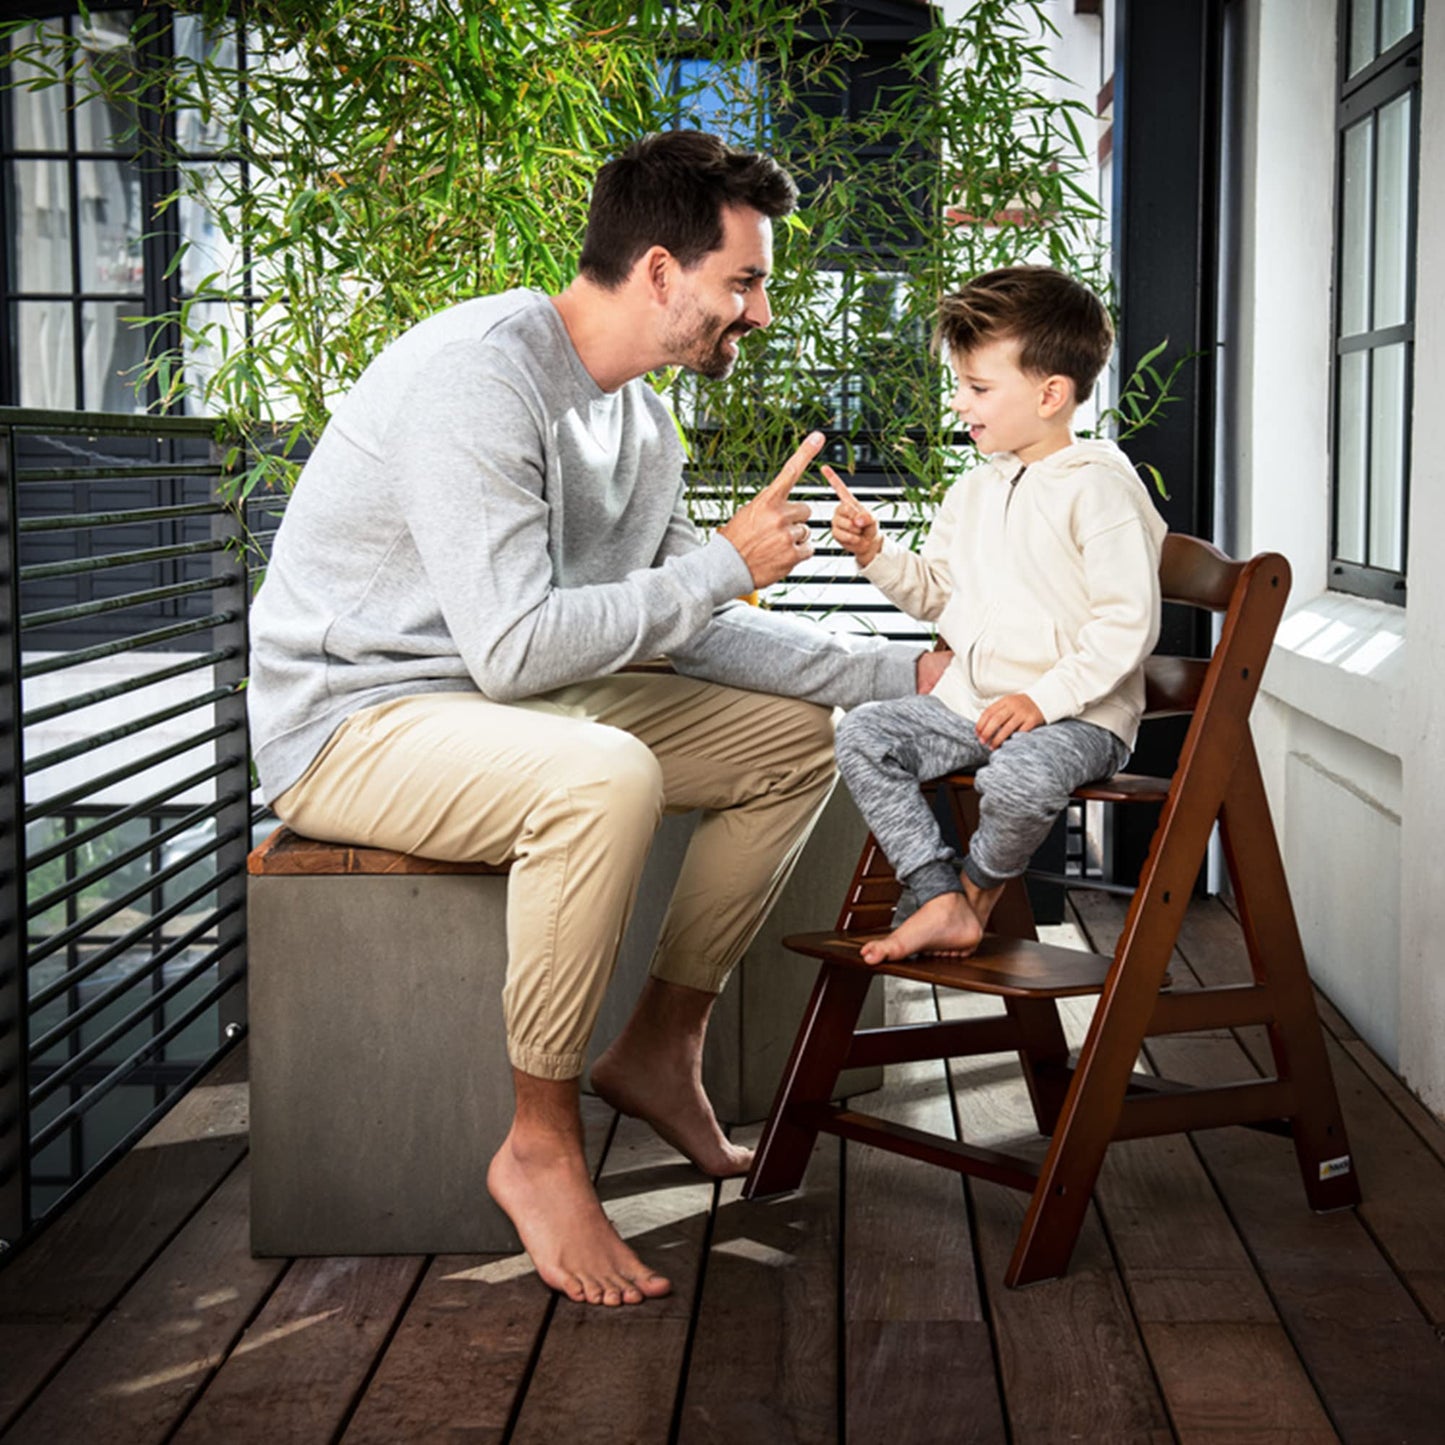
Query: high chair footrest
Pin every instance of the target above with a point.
(1012, 967)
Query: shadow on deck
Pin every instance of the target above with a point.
(1204, 1302)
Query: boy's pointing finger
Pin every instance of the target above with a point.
(844, 495)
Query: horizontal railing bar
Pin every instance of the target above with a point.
(141, 1127)
(158, 1041)
(79, 929)
(98, 423)
(125, 469)
(76, 521)
(99, 740)
(83, 566)
(68, 705)
(132, 768)
(130, 599)
(137, 934)
(43, 904)
(139, 642)
(69, 842)
(121, 986)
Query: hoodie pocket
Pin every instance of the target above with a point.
(1013, 653)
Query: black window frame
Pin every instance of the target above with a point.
(1391, 74)
(160, 292)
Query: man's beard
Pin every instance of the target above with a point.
(702, 346)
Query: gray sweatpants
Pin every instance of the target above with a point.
(886, 749)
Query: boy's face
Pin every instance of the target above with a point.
(1007, 410)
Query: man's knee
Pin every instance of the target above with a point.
(625, 785)
(1014, 784)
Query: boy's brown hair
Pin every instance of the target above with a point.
(1061, 327)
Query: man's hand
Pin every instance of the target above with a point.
(1016, 713)
(931, 667)
(771, 532)
(855, 529)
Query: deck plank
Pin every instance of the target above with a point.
(1402, 1178)
(1072, 1362)
(54, 1293)
(1374, 1358)
(136, 1374)
(615, 1373)
(765, 1353)
(459, 1357)
(294, 1374)
(918, 1358)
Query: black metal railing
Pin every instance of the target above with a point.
(125, 793)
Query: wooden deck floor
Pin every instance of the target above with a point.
(1205, 1303)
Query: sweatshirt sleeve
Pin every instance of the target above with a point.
(1121, 574)
(750, 647)
(919, 583)
(470, 454)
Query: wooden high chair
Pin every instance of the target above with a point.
(1087, 1104)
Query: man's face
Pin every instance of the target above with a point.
(723, 297)
(999, 403)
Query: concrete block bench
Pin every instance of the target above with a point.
(380, 1087)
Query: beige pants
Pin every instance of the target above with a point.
(569, 786)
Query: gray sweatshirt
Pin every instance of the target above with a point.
(480, 514)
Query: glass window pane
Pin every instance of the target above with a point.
(202, 130)
(1392, 209)
(213, 332)
(1350, 472)
(40, 235)
(1362, 34)
(1355, 229)
(112, 351)
(39, 115)
(103, 124)
(1397, 20)
(209, 190)
(45, 354)
(109, 198)
(1387, 457)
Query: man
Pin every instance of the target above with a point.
(491, 527)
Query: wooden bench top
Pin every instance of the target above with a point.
(288, 854)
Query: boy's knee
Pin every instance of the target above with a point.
(1024, 792)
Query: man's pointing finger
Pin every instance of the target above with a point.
(796, 465)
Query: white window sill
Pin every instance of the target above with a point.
(1341, 659)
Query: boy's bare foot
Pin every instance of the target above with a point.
(945, 924)
(663, 1088)
(544, 1187)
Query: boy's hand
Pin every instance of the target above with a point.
(771, 532)
(855, 529)
(1001, 719)
(931, 667)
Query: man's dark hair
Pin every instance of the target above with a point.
(1061, 327)
(669, 189)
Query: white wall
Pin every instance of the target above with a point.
(1353, 688)
(1422, 898)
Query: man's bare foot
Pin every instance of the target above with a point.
(945, 924)
(546, 1192)
(654, 1072)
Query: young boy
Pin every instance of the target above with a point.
(1042, 571)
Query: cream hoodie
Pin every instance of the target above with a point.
(1044, 580)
